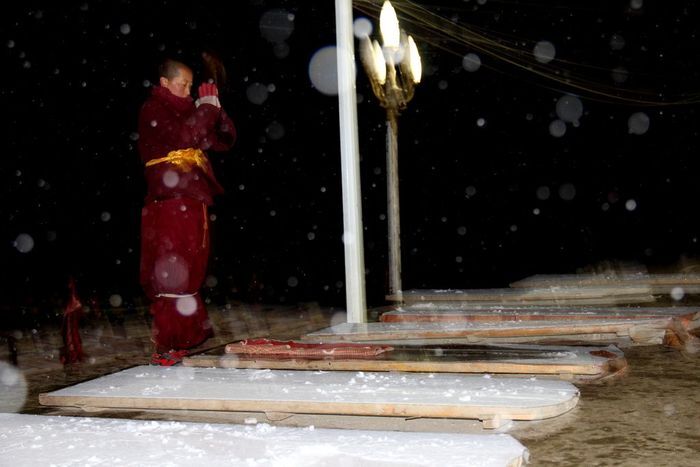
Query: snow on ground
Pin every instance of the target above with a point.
(36, 440)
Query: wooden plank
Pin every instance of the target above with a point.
(572, 295)
(382, 332)
(681, 333)
(46, 440)
(441, 395)
(598, 339)
(419, 313)
(687, 283)
(571, 363)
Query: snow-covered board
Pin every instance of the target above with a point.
(627, 331)
(439, 395)
(579, 364)
(678, 283)
(36, 440)
(571, 295)
(438, 312)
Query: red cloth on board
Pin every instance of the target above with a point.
(273, 347)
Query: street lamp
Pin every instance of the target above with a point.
(394, 89)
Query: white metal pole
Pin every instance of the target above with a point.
(350, 162)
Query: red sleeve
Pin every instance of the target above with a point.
(162, 131)
(225, 133)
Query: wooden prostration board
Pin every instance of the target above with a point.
(439, 395)
(494, 314)
(681, 331)
(658, 283)
(580, 364)
(572, 295)
(644, 331)
(36, 440)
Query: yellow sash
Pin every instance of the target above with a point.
(184, 159)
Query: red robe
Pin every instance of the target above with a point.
(174, 220)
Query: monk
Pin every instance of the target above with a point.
(175, 134)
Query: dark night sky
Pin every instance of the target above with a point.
(472, 203)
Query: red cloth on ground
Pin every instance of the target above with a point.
(174, 255)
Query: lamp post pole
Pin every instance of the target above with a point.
(394, 91)
(392, 196)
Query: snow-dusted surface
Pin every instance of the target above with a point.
(319, 387)
(558, 290)
(408, 329)
(507, 354)
(496, 311)
(35, 440)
